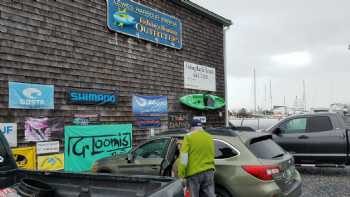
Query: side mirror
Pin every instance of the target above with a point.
(277, 131)
(130, 157)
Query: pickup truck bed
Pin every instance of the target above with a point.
(78, 185)
(85, 184)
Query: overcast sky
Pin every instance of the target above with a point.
(287, 41)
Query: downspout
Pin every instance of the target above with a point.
(226, 29)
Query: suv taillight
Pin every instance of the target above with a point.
(264, 173)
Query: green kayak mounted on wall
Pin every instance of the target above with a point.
(203, 101)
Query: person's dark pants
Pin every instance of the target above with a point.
(202, 184)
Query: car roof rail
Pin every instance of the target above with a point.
(222, 131)
(240, 128)
(174, 131)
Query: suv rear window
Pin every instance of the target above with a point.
(265, 148)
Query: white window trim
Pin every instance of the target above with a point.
(229, 145)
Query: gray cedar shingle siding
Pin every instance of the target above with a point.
(67, 44)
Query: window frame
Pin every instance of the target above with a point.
(229, 145)
(308, 130)
(148, 142)
(284, 124)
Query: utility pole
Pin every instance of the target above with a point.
(265, 98)
(254, 91)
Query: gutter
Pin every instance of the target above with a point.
(203, 11)
(227, 116)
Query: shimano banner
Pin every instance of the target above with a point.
(31, 96)
(92, 98)
(142, 105)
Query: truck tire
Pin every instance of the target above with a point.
(220, 192)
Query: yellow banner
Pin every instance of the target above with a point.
(51, 162)
(25, 157)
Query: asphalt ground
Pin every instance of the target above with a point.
(325, 182)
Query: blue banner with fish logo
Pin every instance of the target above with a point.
(142, 105)
(31, 96)
(137, 20)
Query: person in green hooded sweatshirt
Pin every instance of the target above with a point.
(196, 163)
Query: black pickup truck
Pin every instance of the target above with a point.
(321, 139)
(15, 182)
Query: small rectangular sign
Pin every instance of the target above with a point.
(51, 162)
(178, 120)
(86, 144)
(199, 77)
(47, 147)
(92, 98)
(142, 105)
(10, 132)
(203, 119)
(86, 119)
(31, 96)
(148, 122)
(137, 20)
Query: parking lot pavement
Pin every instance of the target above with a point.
(325, 182)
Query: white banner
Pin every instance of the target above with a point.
(203, 119)
(47, 147)
(199, 77)
(10, 132)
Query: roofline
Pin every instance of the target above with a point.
(205, 12)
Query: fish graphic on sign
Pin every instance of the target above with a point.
(32, 93)
(123, 18)
(141, 102)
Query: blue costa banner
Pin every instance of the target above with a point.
(148, 122)
(92, 98)
(149, 105)
(134, 19)
(31, 96)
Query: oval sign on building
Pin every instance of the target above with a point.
(137, 20)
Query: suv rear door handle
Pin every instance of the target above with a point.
(303, 137)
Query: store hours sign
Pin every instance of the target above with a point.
(134, 19)
(199, 77)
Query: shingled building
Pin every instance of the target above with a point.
(68, 44)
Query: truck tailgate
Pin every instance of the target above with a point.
(104, 185)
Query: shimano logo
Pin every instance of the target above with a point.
(92, 98)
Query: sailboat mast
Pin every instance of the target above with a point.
(271, 96)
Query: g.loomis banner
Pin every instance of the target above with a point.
(86, 144)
